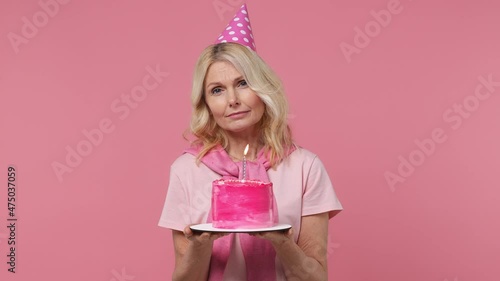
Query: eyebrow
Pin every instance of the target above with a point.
(219, 83)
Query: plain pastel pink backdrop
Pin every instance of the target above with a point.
(359, 111)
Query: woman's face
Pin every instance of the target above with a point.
(235, 107)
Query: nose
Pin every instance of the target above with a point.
(232, 98)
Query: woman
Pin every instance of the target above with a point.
(238, 100)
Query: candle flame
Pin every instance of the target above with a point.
(246, 150)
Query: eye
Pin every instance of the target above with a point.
(242, 83)
(215, 91)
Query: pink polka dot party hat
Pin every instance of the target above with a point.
(238, 30)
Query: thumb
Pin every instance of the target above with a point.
(188, 232)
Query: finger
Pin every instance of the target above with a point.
(258, 234)
(188, 232)
(218, 235)
(205, 236)
(274, 236)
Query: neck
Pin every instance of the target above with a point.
(237, 146)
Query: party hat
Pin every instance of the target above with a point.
(238, 30)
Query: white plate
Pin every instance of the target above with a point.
(207, 227)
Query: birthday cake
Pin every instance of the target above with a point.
(242, 204)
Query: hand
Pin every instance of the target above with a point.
(277, 238)
(202, 238)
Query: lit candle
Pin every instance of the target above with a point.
(245, 162)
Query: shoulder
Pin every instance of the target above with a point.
(301, 154)
(192, 175)
(183, 163)
(186, 159)
(301, 158)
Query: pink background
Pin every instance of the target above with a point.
(358, 112)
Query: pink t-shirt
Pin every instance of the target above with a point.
(300, 183)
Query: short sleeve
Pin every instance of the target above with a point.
(319, 195)
(175, 214)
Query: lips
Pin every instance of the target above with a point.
(237, 113)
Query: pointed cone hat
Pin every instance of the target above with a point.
(238, 30)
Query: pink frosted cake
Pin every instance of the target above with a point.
(242, 204)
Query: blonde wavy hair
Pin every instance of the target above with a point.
(275, 134)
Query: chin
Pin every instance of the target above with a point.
(238, 129)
